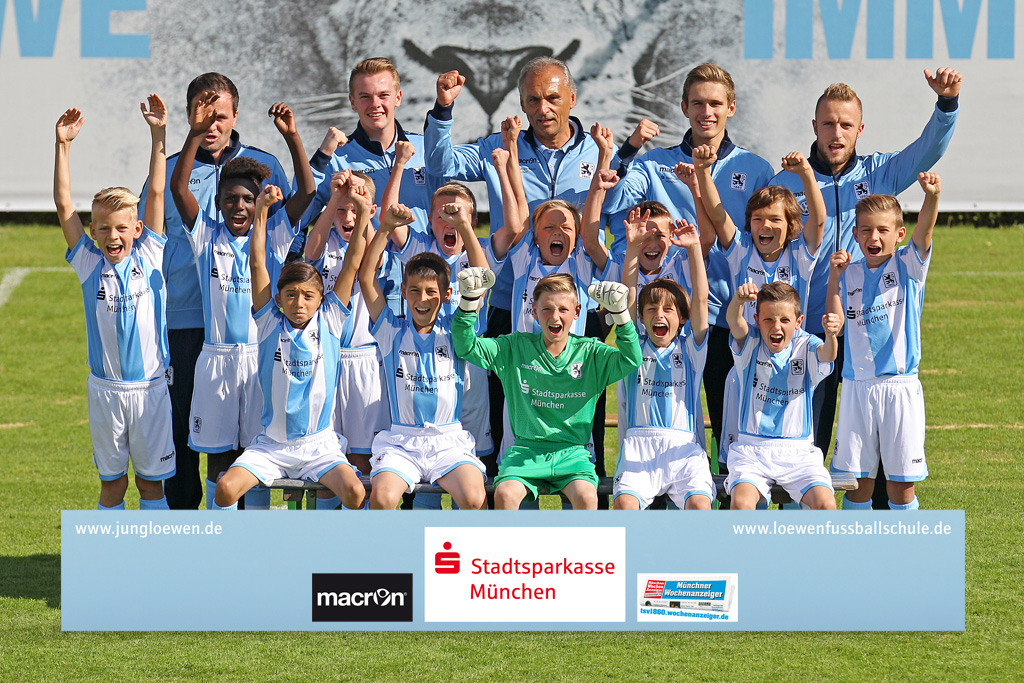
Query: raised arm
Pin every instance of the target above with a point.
(636, 229)
(68, 126)
(838, 263)
(396, 214)
(832, 324)
(404, 151)
(688, 176)
(686, 236)
(704, 158)
(795, 162)
(200, 119)
(454, 215)
(305, 188)
(604, 179)
(510, 129)
(922, 237)
(745, 293)
(258, 247)
(514, 206)
(156, 117)
(316, 241)
(363, 200)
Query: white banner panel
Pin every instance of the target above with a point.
(629, 58)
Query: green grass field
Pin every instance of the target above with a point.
(972, 374)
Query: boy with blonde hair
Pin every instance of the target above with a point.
(881, 416)
(126, 329)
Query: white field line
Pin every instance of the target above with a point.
(14, 277)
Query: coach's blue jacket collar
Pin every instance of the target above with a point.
(580, 134)
(363, 140)
(724, 149)
(822, 168)
(230, 152)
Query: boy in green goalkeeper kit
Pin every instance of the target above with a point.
(552, 380)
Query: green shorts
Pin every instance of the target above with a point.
(536, 467)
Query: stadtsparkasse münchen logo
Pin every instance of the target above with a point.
(362, 597)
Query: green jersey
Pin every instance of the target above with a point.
(550, 400)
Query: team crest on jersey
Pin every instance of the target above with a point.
(677, 360)
(796, 366)
(419, 176)
(169, 375)
(801, 199)
(197, 424)
(861, 189)
(587, 169)
(315, 336)
(441, 352)
(101, 294)
(889, 280)
(576, 370)
(738, 181)
(136, 273)
(782, 274)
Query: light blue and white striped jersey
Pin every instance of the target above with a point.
(424, 377)
(665, 391)
(883, 315)
(329, 265)
(675, 267)
(527, 270)
(298, 369)
(225, 283)
(125, 324)
(794, 267)
(776, 389)
(420, 242)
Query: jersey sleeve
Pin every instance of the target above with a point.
(479, 351)
(83, 257)
(417, 243)
(630, 190)
(917, 267)
(824, 369)
(201, 233)
(616, 362)
(736, 253)
(335, 314)
(151, 248)
(697, 353)
(267, 319)
(385, 330)
(741, 357)
(444, 159)
(280, 233)
(899, 169)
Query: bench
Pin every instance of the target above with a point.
(295, 490)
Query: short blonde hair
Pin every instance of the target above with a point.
(557, 283)
(372, 67)
(838, 92)
(709, 73)
(115, 199)
(557, 204)
(881, 203)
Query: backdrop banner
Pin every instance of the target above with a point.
(629, 58)
(513, 570)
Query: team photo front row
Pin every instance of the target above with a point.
(354, 323)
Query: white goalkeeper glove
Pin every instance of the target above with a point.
(614, 298)
(473, 285)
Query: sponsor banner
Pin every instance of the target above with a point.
(104, 56)
(526, 574)
(525, 570)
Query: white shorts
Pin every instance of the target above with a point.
(884, 418)
(476, 409)
(730, 415)
(361, 406)
(131, 418)
(656, 461)
(423, 453)
(309, 457)
(794, 464)
(226, 402)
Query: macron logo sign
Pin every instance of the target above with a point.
(524, 574)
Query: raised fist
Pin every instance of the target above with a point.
(449, 85)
